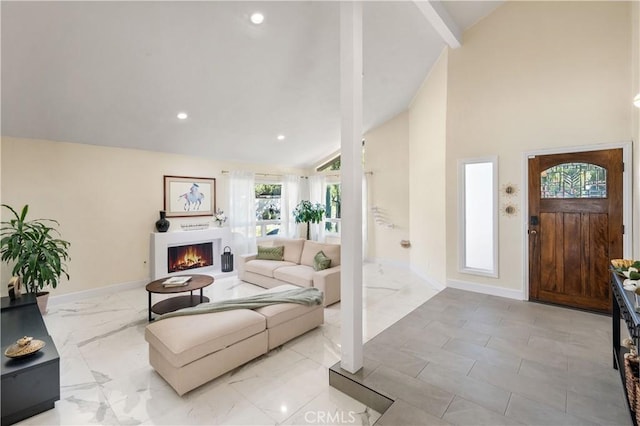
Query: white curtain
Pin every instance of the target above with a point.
(317, 190)
(289, 200)
(242, 211)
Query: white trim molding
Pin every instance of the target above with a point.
(509, 293)
(59, 299)
(388, 262)
(432, 282)
(437, 285)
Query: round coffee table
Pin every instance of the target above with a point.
(197, 282)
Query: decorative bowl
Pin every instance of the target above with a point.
(24, 347)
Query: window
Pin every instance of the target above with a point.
(268, 208)
(332, 203)
(335, 163)
(574, 180)
(478, 252)
(330, 165)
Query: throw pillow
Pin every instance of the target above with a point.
(270, 253)
(321, 261)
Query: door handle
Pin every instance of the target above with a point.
(533, 231)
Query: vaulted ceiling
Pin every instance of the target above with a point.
(118, 73)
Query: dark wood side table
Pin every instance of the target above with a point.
(197, 282)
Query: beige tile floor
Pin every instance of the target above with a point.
(106, 377)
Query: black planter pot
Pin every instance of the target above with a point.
(162, 224)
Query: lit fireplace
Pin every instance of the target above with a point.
(191, 256)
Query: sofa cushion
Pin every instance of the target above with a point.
(270, 253)
(292, 248)
(321, 261)
(265, 267)
(184, 339)
(281, 287)
(299, 275)
(311, 248)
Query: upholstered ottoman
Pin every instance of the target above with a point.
(189, 351)
(288, 320)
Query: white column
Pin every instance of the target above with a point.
(351, 180)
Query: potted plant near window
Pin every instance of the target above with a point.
(306, 212)
(38, 255)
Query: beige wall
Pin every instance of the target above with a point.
(106, 200)
(534, 75)
(386, 156)
(635, 57)
(427, 141)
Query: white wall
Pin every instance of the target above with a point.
(427, 142)
(534, 75)
(386, 156)
(106, 200)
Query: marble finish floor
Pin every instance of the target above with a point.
(464, 358)
(106, 377)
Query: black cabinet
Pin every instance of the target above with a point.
(623, 309)
(30, 385)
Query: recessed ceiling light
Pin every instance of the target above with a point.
(182, 115)
(257, 18)
(280, 137)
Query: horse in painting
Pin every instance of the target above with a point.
(192, 199)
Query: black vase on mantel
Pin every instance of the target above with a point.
(162, 224)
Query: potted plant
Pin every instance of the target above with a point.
(39, 256)
(306, 212)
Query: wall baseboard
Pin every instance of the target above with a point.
(115, 288)
(432, 281)
(95, 292)
(387, 262)
(405, 265)
(486, 289)
(458, 284)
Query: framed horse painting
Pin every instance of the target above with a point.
(189, 196)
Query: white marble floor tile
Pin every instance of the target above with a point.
(321, 345)
(333, 407)
(79, 405)
(106, 377)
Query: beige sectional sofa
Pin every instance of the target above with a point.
(296, 268)
(189, 352)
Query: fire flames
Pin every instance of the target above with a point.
(189, 257)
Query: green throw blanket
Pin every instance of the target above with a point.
(303, 296)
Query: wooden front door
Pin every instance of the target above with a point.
(575, 227)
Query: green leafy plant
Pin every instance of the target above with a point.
(306, 212)
(34, 246)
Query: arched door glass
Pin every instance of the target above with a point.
(574, 180)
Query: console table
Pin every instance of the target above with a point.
(30, 385)
(623, 308)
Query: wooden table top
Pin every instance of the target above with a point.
(196, 283)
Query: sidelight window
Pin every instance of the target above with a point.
(574, 180)
(478, 202)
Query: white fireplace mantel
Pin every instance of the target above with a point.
(161, 241)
